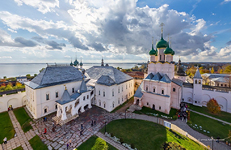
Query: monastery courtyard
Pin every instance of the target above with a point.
(70, 132)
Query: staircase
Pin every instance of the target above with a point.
(134, 107)
(62, 122)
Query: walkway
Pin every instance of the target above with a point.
(182, 127)
(21, 138)
(225, 122)
(128, 104)
(110, 141)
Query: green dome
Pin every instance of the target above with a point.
(152, 51)
(168, 50)
(81, 64)
(71, 64)
(162, 43)
(173, 52)
(76, 62)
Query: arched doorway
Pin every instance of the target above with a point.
(153, 107)
(137, 102)
(86, 107)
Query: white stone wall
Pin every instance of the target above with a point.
(16, 100)
(165, 68)
(161, 103)
(37, 98)
(122, 92)
(175, 95)
(223, 98)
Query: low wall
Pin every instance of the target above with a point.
(16, 100)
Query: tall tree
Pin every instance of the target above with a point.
(100, 144)
(213, 106)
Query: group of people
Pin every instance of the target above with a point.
(183, 112)
(10, 108)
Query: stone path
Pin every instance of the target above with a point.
(70, 132)
(210, 117)
(111, 142)
(122, 109)
(21, 138)
(182, 127)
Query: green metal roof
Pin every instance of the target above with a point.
(162, 43)
(152, 51)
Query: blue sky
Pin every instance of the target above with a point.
(48, 31)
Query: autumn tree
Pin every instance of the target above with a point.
(227, 69)
(100, 144)
(213, 106)
(212, 70)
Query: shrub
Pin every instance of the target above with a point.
(189, 122)
(174, 117)
(112, 134)
(100, 144)
(213, 106)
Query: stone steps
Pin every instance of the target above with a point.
(111, 142)
(62, 122)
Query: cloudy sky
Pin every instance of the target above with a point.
(47, 31)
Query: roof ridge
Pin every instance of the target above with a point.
(43, 75)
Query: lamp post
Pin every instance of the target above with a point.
(105, 126)
(212, 142)
(125, 113)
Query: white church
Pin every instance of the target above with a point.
(70, 90)
(162, 89)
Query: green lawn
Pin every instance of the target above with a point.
(18, 148)
(216, 128)
(120, 106)
(147, 135)
(23, 118)
(37, 144)
(222, 115)
(6, 127)
(91, 142)
(148, 111)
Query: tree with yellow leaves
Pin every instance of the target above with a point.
(212, 70)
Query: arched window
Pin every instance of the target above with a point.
(146, 88)
(99, 92)
(118, 100)
(122, 99)
(199, 81)
(45, 110)
(126, 86)
(113, 92)
(87, 96)
(56, 106)
(104, 105)
(173, 89)
(47, 96)
(162, 91)
(73, 90)
(154, 89)
(99, 103)
(113, 105)
(195, 81)
(122, 88)
(103, 93)
(118, 89)
(56, 94)
(84, 98)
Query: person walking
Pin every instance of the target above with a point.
(45, 130)
(67, 145)
(5, 140)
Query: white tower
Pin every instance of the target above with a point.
(197, 88)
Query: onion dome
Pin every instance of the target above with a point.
(81, 64)
(71, 64)
(152, 51)
(162, 43)
(168, 50)
(173, 52)
(76, 62)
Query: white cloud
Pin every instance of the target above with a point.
(5, 57)
(43, 6)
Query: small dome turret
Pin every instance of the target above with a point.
(168, 50)
(162, 43)
(152, 51)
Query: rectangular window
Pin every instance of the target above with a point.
(73, 90)
(154, 90)
(118, 89)
(160, 57)
(112, 93)
(159, 107)
(56, 94)
(56, 106)
(174, 89)
(147, 103)
(47, 96)
(122, 89)
(99, 92)
(103, 94)
(45, 110)
(162, 91)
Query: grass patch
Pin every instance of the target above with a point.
(147, 135)
(18, 148)
(148, 111)
(120, 106)
(216, 128)
(87, 145)
(6, 127)
(222, 115)
(23, 118)
(37, 144)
